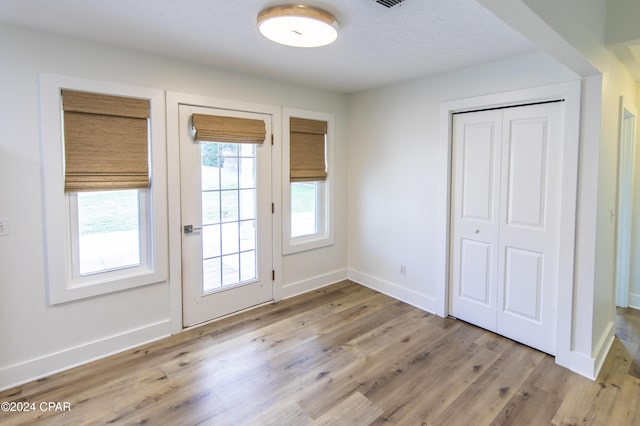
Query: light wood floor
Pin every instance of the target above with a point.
(339, 356)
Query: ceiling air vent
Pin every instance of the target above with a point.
(389, 3)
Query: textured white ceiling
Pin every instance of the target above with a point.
(376, 45)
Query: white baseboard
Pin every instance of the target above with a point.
(49, 364)
(310, 284)
(413, 298)
(589, 366)
(603, 347)
(583, 364)
(633, 300)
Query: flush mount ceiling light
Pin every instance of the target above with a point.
(298, 26)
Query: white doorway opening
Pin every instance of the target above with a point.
(625, 201)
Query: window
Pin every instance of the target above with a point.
(108, 231)
(308, 180)
(307, 199)
(229, 191)
(99, 141)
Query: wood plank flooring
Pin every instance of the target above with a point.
(342, 355)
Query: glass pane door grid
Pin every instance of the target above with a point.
(229, 234)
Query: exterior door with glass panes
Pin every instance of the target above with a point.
(226, 212)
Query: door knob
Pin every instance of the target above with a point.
(476, 231)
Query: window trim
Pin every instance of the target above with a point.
(62, 287)
(325, 236)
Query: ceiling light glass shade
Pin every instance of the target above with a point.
(298, 26)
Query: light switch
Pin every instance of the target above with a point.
(4, 226)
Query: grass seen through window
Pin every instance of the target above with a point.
(109, 230)
(304, 196)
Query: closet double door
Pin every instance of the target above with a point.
(507, 168)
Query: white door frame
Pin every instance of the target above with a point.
(570, 92)
(626, 160)
(173, 100)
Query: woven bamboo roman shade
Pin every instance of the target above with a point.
(306, 150)
(106, 142)
(217, 128)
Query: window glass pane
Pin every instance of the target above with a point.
(211, 274)
(210, 241)
(108, 230)
(211, 165)
(230, 269)
(229, 149)
(247, 204)
(229, 171)
(229, 200)
(248, 265)
(247, 172)
(247, 150)
(230, 238)
(248, 235)
(210, 207)
(304, 208)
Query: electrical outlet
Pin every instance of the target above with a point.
(4, 226)
(403, 270)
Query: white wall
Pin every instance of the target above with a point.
(38, 338)
(394, 165)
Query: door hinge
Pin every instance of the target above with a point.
(272, 139)
(273, 275)
(273, 208)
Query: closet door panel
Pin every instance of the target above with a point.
(529, 229)
(475, 208)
